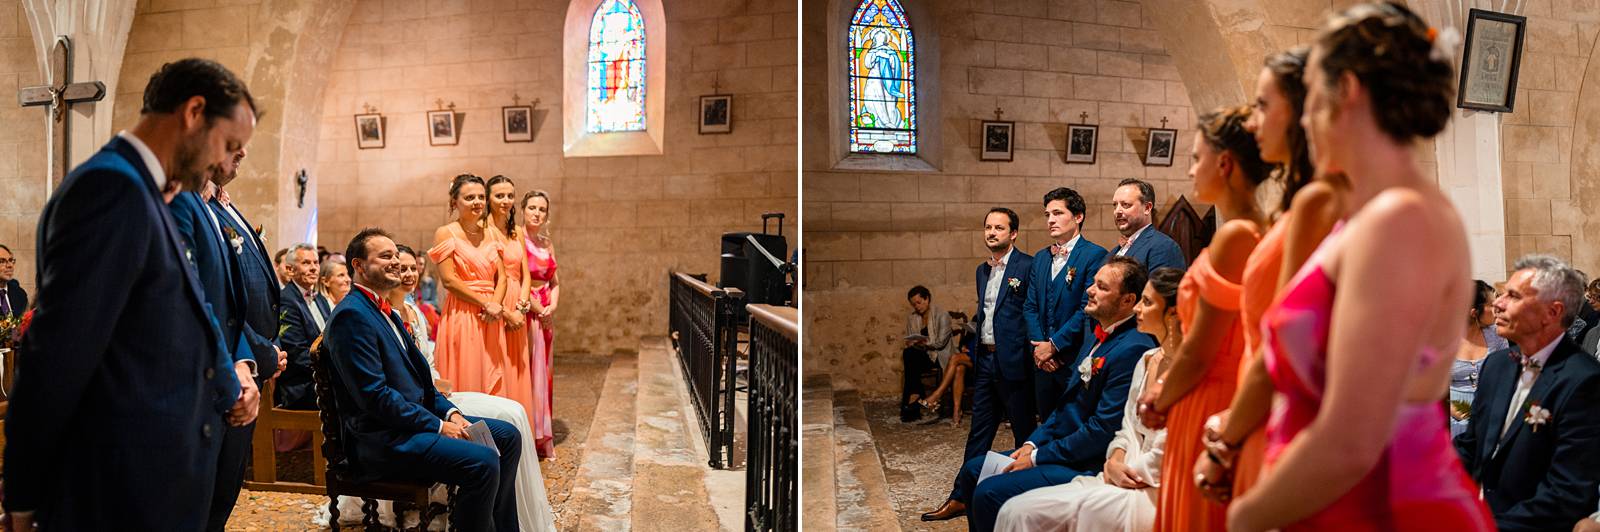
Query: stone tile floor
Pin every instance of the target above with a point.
(920, 461)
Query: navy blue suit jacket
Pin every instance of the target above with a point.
(215, 263)
(1013, 353)
(1154, 249)
(294, 386)
(388, 406)
(1054, 308)
(18, 298)
(119, 390)
(1077, 433)
(1544, 479)
(260, 291)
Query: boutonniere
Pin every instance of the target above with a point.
(1090, 367)
(235, 239)
(1536, 416)
(1014, 283)
(1071, 272)
(261, 232)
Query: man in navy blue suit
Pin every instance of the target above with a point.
(1133, 206)
(13, 299)
(1072, 442)
(1535, 479)
(1054, 307)
(303, 315)
(1003, 384)
(125, 378)
(400, 425)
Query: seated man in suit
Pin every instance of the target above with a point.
(1073, 441)
(1536, 479)
(13, 299)
(400, 427)
(1133, 205)
(303, 313)
(1054, 307)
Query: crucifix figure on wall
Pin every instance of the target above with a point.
(59, 95)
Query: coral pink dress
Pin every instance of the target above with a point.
(1419, 483)
(517, 378)
(1257, 291)
(541, 267)
(470, 352)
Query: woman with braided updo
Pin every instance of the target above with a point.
(1227, 169)
(1358, 344)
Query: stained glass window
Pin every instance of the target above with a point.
(883, 96)
(616, 68)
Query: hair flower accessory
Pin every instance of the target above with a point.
(1444, 43)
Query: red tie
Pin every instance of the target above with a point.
(383, 304)
(1100, 334)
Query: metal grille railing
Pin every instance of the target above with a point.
(772, 472)
(704, 329)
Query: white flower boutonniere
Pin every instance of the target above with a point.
(1014, 283)
(1537, 416)
(235, 239)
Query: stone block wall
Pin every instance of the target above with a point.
(23, 163)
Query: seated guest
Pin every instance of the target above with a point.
(13, 299)
(927, 343)
(1591, 298)
(1123, 497)
(955, 368)
(333, 280)
(1480, 341)
(1072, 441)
(1533, 439)
(302, 318)
(400, 426)
(284, 268)
(1134, 208)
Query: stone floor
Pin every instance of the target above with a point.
(920, 460)
(578, 379)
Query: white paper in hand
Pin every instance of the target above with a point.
(479, 433)
(993, 464)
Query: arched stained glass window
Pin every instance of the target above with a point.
(616, 68)
(883, 96)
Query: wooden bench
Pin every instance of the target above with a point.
(264, 457)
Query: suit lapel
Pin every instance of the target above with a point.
(1541, 388)
(1007, 273)
(387, 329)
(1499, 406)
(175, 240)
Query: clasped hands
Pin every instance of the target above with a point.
(1213, 469)
(248, 403)
(455, 427)
(1044, 356)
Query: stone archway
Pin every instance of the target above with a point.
(1194, 33)
(1578, 214)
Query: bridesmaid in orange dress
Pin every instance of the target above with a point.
(470, 348)
(544, 291)
(1227, 169)
(518, 376)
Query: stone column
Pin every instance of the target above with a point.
(1468, 158)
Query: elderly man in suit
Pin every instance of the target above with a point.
(1133, 206)
(400, 425)
(127, 380)
(1533, 440)
(303, 315)
(13, 299)
(1072, 442)
(1054, 307)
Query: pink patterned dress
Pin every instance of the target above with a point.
(1418, 483)
(541, 268)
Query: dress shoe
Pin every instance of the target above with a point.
(950, 510)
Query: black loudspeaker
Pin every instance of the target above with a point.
(745, 267)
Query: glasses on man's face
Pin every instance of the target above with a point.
(8, 261)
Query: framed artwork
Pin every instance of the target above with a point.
(516, 123)
(1159, 148)
(442, 128)
(997, 141)
(369, 131)
(1490, 60)
(716, 114)
(1082, 139)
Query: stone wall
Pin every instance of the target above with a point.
(22, 144)
(618, 223)
(871, 235)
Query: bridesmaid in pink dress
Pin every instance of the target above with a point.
(470, 349)
(1358, 346)
(517, 379)
(545, 290)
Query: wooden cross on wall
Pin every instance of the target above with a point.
(59, 95)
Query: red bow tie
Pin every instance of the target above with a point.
(383, 304)
(1100, 334)
(1059, 250)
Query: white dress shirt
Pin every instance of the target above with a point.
(991, 294)
(1123, 251)
(1524, 385)
(1057, 262)
(311, 303)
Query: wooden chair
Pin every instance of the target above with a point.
(1188, 228)
(345, 479)
(264, 458)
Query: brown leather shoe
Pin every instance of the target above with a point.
(950, 510)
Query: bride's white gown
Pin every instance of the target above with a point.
(533, 506)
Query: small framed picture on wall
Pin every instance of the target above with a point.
(716, 114)
(1490, 60)
(1082, 139)
(369, 131)
(1159, 148)
(997, 141)
(442, 128)
(516, 123)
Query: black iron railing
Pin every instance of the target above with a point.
(705, 331)
(772, 472)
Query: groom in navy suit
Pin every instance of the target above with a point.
(1054, 307)
(400, 426)
(125, 382)
(1133, 207)
(1072, 442)
(1004, 369)
(1533, 439)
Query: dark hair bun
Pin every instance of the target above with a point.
(1389, 49)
